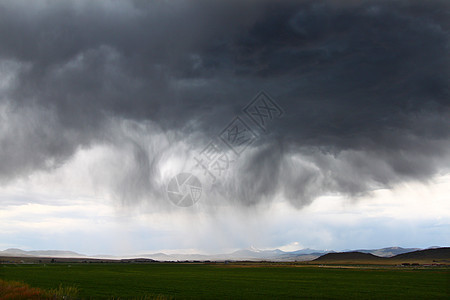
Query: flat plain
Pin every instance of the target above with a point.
(235, 280)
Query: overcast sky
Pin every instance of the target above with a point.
(102, 103)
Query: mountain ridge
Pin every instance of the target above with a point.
(430, 255)
(251, 254)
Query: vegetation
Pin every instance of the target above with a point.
(10, 290)
(231, 281)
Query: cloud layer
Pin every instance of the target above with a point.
(364, 88)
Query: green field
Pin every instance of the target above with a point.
(233, 281)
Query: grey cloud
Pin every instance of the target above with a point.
(365, 87)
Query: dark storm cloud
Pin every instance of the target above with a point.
(365, 87)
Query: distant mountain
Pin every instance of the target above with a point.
(434, 247)
(253, 254)
(157, 256)
(260, 254)
(14, 251)
(309, 251)
(39, 253)
(388, 252)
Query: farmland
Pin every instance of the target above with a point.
(233, 281)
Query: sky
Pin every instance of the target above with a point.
(210, 126)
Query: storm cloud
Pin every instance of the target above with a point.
(364, 86)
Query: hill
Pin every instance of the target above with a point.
(438, 255)
(349, 257)
(427, 256)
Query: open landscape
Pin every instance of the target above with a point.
(421, 274)
(235, 281)
(224, 149)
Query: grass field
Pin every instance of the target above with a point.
(233, 281)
